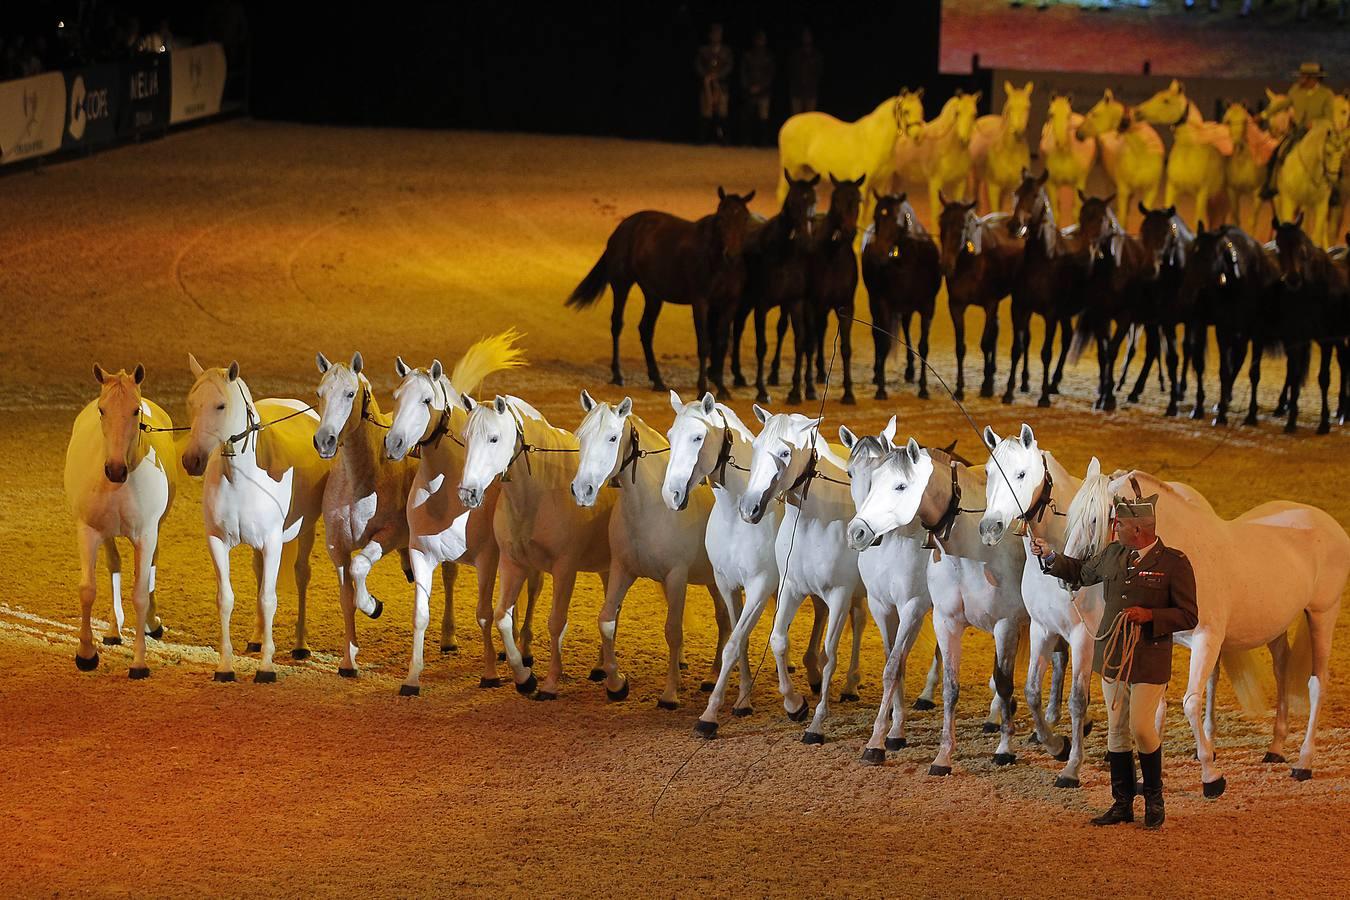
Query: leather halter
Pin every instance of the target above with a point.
(941, 530)
(525, 449)
(717, 476)
(1036, 511)
(809, 474)
(441, 428)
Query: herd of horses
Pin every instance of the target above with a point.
(880, 525)
(1094, 283)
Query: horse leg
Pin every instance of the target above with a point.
(1299, 360)
(89, 539)
(1018, 324)
(1205, 645)
(703, 342)
(881, 348)
(789, 601)
(1321, 624)
(676, 589)
(1042, 646)
(891, 708)
(858, 622)
(647, 331)
(1047, 351)
(512, 576)
(220, 560)
(1254, 379)
(811, 658)
(1323, 382)
(255, 644)
(1109, 368)
(1025, 386)
(761, 348)
(615, 328)
(534, 584)
(1173, 395)
(145, 545)
(757, 593)
(989, 347)
(620, 580)
(838, 601)
(1279, 658)
(1081, 647)
(422, 567)
(1059, 663)
(1007, 632)
(925, 323)
(782, 326)
(113, 636)
(905, 319)
(1065, 340)
(304, 546)
(1152, 352)
(1199, 349)
(485, 571)
(267, 604)
(448, 572)
(931, 682)
(726, 610)
(959, 325)
(737, 332)
(949, 642)
(801, 348)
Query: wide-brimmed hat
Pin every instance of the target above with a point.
(1311, 70)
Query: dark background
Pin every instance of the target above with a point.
(604, 68)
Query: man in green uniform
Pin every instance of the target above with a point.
(1311, 102)
(1151, 589)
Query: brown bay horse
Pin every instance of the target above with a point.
(902, 270)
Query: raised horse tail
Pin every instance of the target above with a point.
(592, 286)
(492, 354)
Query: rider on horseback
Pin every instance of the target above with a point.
(1310, 101)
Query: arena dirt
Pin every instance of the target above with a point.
(266, 243)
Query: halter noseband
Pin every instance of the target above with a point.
(441, 428)
(941, 530)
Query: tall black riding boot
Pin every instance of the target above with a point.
(1150, 765)
(1122, 790)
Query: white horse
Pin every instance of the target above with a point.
(264, 488)
(428, 418)
(970, 584)
(538, 526)
(365, 499)
(647, 538)
(1256, 576)
(1024, 489)
(791, 462)
(705, 440)
(120, 480)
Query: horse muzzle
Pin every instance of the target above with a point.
(194, 464)
(584, 494)
(326, 445)
(860, 535)
(472, 498)
(992, 531)
(116, 472)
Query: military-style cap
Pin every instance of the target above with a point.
(1311, 70)
(1139, 508)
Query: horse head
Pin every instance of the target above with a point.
(899, 484)
(966, 111)
(219, 404)
(1016, 483)
(422, 402)
(696, 440)
(732, 220)
(119, 418)
(1105, 116)
(1295, 251)
(1031, 204)
(781, 453)
(960, 230)
(1098, 227)
(845, 201)
(799, 206)
(1058, 115)
(1169, 106)
(1017, 107)
(909, 113)
(492, 435)
(605, 440)
(340, 412)
(1236, 116)
(1164, 235)
(864, 455)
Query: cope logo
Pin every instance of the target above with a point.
(86, 106)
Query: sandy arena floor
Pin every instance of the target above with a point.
(266, 243)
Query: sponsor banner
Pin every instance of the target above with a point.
(198, 82)
(94, 96)
(145, 95)
(32, 116)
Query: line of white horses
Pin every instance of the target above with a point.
(967, 156)
(878, 525)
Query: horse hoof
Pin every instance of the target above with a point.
(1043, 403)
(616, 378)
(408, 575)
(300, 653)
(849, 698)
(1087, 727)
(791, 668)
(485, 683)
(1063, 754)
(1219, 422)
(874, 756)
(800, 715)
(705, 730)
(739, 381)
(501, 656)
(1291, 428)
(1005, 759)
(659, 387)
(527, 661)
(707, 687)
(86, 665)
(762, 397)
(815, 688)
(813, 737)
(667, 704)
(894, 744)
(1214, 789)
(794, 398)
(223, 677)
(959, 394)
(1063, 782)
(881, 395)
(1324, 428)
(741, 712)
(620, 694)
(449, 648)
(409, 690)
(109, 641)
(379, 609)
(1133, 398)
(253, 647)
(344, 672)
(1033, 738)
(1273, 758)
(1007, 399)
(684, 667)
(939, 770)
(990, 727)
(923, 705)
(263, 676)
(136, 673)
(923, 393)
(597, 675)
(1296, 774)
(157, 633)
(545, 696)
(848, 400)
(527, 686)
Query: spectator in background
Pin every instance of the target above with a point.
(804, 74)
(713, 65)
(757, 71)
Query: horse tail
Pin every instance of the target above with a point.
(1083, 335)
(492, 354)
(1244, 671)
(286, 574)
(1298, 668)
(593, 285)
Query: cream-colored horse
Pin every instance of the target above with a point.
(1245, 170)
(1132, 153)
(1307, 177)
(1199, 148)
(120, 480)
(1068, 158)
(942, 159)
(816, 143)
(1337, 218)
(998, 148)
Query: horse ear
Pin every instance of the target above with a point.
(1110, 200)
(709, 403)
(99, 374)
(587, 401)
(1298, 219)
(747, 198)
(814, 181)
(1082, 197)
(1028, 436)
(233, 371)
(1274, 223)
(975, 97)
(437, 370)
(1094, 468)
(858, 182)
(1171, 211)
(625, 407)
(468, 402)
(888, 433)
(875, 195)
(990, 438)
(322, 362)
(787, 176)
(913, 449)
(1143, 210)
(904, 195)
(721, 194)
(919, 93)
(400, 367)
(1008, 88)
(357, 363)
(499, 403)
(676, 403)
(847, 438)
(942, 198)
(834, 181)
(1108, 94)
(139, 374)
(761, 413)
(1042, 178)
(194, 367)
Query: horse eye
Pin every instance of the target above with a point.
(492, 440)
(1021, 475)
(351, 395)
(613, 438)
(220, 407)
(901, 487)
(426, 401)
(698, 439)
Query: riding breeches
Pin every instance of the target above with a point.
(1132, 716)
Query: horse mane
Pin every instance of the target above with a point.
(1094, 497)
(917, 229)
(733, 422)
(870, 444)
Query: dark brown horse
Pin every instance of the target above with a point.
(1050, 284)
(832, 278)
(1168, 240)
(673, 260)
(980, 260)
(902, 269)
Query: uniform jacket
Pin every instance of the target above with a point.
(1162, 580)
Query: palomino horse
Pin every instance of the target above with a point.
(647, 539)
(1310, 172)
(120, 481)
(832, 279)
(538, 526)
(902, 269)
(1020, 496)
(1196, 164)
(1275, 566)
(1338, 217)
(942, 160)
(427, 420)
(970, 584)
(1245, 170)
(789, 457)
(1068, 158)
(264, 487)
(998, 148)
(815, 143)
(1132, 152)
(365, 500)
(673, 260)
